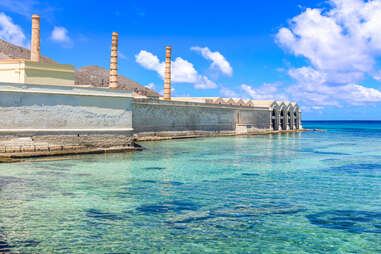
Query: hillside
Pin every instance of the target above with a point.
(11, 51)
(99, 77)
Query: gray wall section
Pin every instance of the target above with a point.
(32, 107)
(260, 119)
(60, 111)
(158, 117)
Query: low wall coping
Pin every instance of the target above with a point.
(194, 104)
(61, 131)
(63, 90)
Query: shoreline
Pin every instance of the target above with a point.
(20, 156)
(13, 157)
(183, 135)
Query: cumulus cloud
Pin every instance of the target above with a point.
(182, 70)
(227, 92)
(150, 62)
(268, 91)
(342, 45)
(11, 32)
(61, 35)
(218, 60)
(312, 87)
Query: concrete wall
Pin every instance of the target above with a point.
(63, 109)
(154, 116)
(41, 110)
(259, 119)
(165, 116)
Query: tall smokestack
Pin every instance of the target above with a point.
(114, 62)
(167, 74)
(35, 47)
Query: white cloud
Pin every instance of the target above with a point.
(151, 86)
(268, 91)
(28, 7)
(60, 35)
(150, 62)
(204, 83)
(311, 87)
(11, 32)
(21, 7)
(182, 70)
(227, 92)
(218, 60)
(342, 45)
(329, 45)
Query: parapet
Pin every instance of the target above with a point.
(263, 104)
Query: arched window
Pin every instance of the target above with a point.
(274, 120)
(289, 120)
(283, 119)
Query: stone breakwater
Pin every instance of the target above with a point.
(14, 149)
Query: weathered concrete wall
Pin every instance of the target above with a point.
(91, 117)
(175, 116)
(45, 109)
(259, 119)
(155, 116)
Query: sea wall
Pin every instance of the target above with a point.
(60, 109)
(94, 117)
(163, 118)
(150, 115)
(256, 118)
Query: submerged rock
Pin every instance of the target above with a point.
(94, 213)
(191, 217)
(348, 220)
(165, 207)
(154, 168)
(233, 213)
(4, 246)
(356, 168)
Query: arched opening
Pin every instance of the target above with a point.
(283, 119)
(274, 121)
(296, 120)
(289, 120)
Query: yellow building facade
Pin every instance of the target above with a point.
(23, 71)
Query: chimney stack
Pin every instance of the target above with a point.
(167, 74)
(35, 47)
(114, 62)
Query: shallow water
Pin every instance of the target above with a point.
(313, 192)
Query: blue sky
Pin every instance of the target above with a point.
(321, 54)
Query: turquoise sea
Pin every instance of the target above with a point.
(312, 192)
